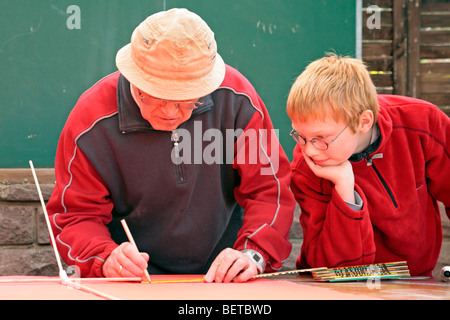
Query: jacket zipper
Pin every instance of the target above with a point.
(176, 150)
(370, 163)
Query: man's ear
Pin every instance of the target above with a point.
(365, 121)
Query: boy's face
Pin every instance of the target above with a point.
(341, 141)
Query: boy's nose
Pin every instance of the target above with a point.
(310, 150)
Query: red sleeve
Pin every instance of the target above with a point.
(264, 190)
(334, 234)
(437, 153)
(80, 204)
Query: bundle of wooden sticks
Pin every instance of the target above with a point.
(390, 270)
(387, 270)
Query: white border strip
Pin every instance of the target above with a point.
(358, 27)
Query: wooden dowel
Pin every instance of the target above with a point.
(96, 292)
(335, 279)
(263, 275)
(62, 272)
(360, 272)
(49, 280)
(179, 280)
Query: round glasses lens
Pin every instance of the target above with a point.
(301, 140)
(187, 105)
(319, 144)
(297, 137)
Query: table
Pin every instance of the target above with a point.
(286, 287)
(404, 289)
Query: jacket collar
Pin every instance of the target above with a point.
(130, 118)
(384, 125)
(369, 150)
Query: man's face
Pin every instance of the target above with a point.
(164, 115)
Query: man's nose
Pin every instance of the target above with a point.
(170, 109)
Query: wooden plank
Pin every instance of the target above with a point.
(435, 36)
(379, 3)
(435, 77)
(439, 51)
(446, 109)
(439, 99)
(435, 68)
(435, 5)
(379, 63)
(434, 85)
(413, 71)
(385, 90)
(377, 48)
(13, 176)
(384, 33)
(435, 19)
(399, 47)
(382, 79)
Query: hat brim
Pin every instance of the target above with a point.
(170, 89)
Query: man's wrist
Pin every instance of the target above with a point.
(257, 258)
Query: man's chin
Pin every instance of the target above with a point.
(164, 126)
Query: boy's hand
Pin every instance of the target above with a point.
(341, 175)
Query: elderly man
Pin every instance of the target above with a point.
(151, 144)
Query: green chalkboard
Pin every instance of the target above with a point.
(51, 51)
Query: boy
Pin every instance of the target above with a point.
(368, 170)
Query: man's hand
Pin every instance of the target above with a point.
(231, 266)
(125, 261)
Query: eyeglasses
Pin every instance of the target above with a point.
(186, 105)
(317, 143)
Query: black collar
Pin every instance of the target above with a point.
(370, 149)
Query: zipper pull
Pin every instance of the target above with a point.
(176, 150)
(369, 159)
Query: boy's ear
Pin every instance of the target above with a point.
(366, 121)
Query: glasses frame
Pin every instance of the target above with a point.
(185, 105)
(302, 141)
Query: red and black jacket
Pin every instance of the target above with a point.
(111, 164)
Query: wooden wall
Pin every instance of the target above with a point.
(410, 53)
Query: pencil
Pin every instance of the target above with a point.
(130, 238)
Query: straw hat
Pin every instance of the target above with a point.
(172, 56)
